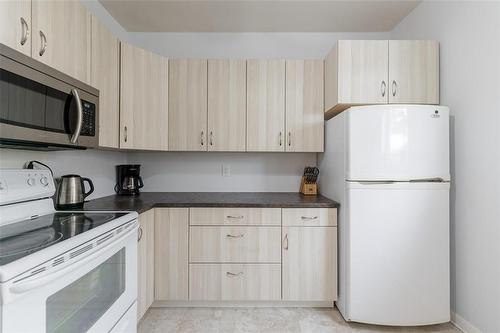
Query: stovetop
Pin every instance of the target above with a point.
(20, 239)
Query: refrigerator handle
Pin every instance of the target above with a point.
(427, 180)
(375, 182)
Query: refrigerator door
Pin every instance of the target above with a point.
(398, 253)
(397, 142)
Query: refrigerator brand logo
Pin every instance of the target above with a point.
(436, 114)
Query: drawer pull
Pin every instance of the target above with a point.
(230, 274)
(285, 242)
(239, 217)
(308, 217)
(235, 236)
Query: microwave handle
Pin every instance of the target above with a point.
(79, 109)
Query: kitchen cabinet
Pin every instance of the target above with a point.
(226, 105)
(171, 253)
(265, 105)
(235, 216)
(104, 75)
(365, 72)
(143, 99)
(188, 105)
(413, 72)
(145, 262)
(309, 260)
(61, 36)
(304, 106)
(15, 25)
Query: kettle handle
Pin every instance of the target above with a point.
(86, 194)
(141, 184)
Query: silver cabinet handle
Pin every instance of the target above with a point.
(308, 217)
(239, 217)
(383, 88)
(235, 236)
(289, 139)
(125, 134)
(230, 274)
(43, 43)
(285, 242)
(79, 118)
(25, 31)
(202, 138)
(139, 234)
(211, 141)
(281, 138)
(394, 88)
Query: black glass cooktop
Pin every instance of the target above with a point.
(26, 237)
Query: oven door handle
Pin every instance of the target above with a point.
(79, 118)
(38, 281)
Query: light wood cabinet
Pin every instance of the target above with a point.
(227, 94)
(145, 262)
(304, 106)
(143, 99)
(171, 254)
(235, 216)
(309, 217)
(265, 105)
(188, 105)
(15, 25)
(61, 36)
(309, 263)
(104, 75)
(414, 71)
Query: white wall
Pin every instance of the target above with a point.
(469, 33)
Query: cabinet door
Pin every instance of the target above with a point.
(61, 36)
(309, 263)
(171, 254)
(188, 105)
(143, 99)
(227, 94)
(414, 71)
(304, 106)
(265, 105)
(145, 263)
(15, 25)
(104, 75)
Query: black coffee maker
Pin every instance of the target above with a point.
(128, 180)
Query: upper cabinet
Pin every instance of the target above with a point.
(61, 36)
(104, 75)
(304, 106)
(265, 105)
(227, 93)
(362, 72)
(414, 71)
(188, 105)
(15, 25)
(143, 99)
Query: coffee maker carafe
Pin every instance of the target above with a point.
(128, 180)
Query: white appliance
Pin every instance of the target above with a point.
(63, 271)
(388, 166)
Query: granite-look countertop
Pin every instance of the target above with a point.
(148, 200)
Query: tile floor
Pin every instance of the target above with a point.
(263, 320)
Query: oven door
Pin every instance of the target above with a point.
(91, 295)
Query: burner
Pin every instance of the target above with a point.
(29, 242)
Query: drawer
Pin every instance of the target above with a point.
(235, 216)
(234, 282)
(310, 217)
(234, 244)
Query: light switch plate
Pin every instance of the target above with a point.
(226, 170)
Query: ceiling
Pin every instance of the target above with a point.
(258, 16)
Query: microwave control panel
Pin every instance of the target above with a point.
(88, 123)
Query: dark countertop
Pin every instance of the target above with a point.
(148, 200)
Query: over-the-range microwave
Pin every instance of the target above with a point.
(42, 108)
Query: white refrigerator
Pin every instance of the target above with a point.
(388, 166)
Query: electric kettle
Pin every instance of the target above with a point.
(71, 193)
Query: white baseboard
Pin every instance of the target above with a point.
(223, 304)
(463, 324)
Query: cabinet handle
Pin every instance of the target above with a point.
(289, 139)
(285, 242)
(139, 234)
(43, 43)
(281, 138)
(230, 274)
(239, 217)
(394, 88)
(382, 88)
(202, 138)
(235, 236)
(308, 217)
(211, 136)
(25, 31)
(125, 133)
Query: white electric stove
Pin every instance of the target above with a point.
(63, 271)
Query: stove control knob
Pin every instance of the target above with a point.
(44, 181)
(31, 181)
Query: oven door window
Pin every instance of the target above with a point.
(78, 306)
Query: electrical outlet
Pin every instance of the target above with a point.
(226, 170)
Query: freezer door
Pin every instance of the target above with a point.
(398, 253)
(397, 142)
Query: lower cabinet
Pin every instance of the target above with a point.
(145, 262)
